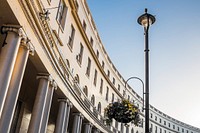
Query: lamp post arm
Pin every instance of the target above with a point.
(142, 88)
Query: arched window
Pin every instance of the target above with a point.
(107, 93)
(67, 63)
(122, 127)
(77, 79)
(132, 130)
(99, 107)
(93, 100)
(85, 90)
(127, 129)
(113, 97)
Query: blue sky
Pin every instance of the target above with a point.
(174, 42)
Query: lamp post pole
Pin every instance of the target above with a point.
(146, 20)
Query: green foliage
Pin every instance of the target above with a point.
(123, 112)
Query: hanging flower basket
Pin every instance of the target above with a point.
(123, 112)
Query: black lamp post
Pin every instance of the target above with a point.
(146, 20)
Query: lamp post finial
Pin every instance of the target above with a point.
(145, 10)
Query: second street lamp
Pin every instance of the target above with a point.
(146, 20)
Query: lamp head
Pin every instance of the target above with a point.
(146, 19)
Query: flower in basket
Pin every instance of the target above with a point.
(123, 112)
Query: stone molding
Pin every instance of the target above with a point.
(44, 76)
(13, 28)
(26, 43)
(66, 101)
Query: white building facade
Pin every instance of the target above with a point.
(55, 75)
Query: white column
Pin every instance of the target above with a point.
(51, 89)
(69, 106)
(39, 104)
(77, 123)
(88, 127)
(63, 116)
(8, 56)
(81, 121)
(14, 86)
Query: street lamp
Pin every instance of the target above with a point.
(146, 20)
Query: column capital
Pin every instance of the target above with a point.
(13, 28)
(66, 101)
(54, 84)
(26, 43)
(44, 76)
(62, 100)
(70, 104)
(88, 123)
(31, 48)
(79, 114)
(97, 130)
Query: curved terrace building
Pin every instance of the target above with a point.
(55, 75)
